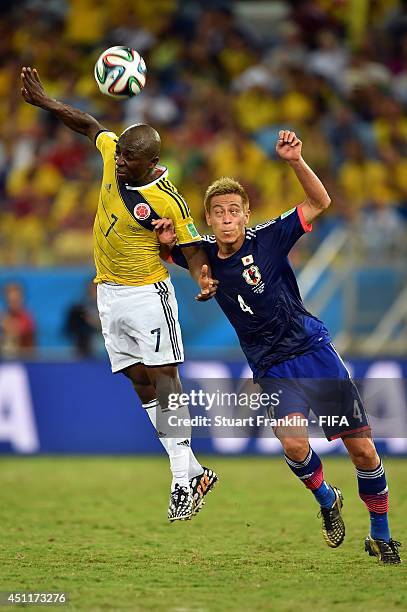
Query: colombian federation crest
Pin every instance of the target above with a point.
(142, 211)
(252, 275)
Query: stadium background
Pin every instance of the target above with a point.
(223, 78)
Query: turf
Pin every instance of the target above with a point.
(97, 529)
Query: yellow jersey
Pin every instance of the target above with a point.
(126, 247)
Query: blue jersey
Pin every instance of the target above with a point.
(259, 294)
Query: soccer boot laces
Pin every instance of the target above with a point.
(181, 504)
(333, 527)
(386, 552)
(201, 485)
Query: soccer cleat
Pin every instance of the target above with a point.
(386, 552)
(200, 486)
(333, 527)
(181, 504)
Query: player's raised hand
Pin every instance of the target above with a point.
(207, 285)
(32, 89)
(164, 228)
(288, 146)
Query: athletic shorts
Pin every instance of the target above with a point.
(140, 324)
(317, 382)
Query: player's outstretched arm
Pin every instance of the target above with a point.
(193, 255)
(200, 270)
(317, 200)
(34, 93)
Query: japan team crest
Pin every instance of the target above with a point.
(252, 275)
(142, 211)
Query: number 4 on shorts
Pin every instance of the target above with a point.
(357, 413)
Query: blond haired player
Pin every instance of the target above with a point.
(136, 299)
(289, 350)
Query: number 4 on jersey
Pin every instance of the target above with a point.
(243, 305)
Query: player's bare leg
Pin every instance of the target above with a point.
(154, 385)
(201, 479)
(307, 466)
(138, 374)
(166, 382)
(374, 493)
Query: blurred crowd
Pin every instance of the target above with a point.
(223, 78)
(19, 331)
(17, 324)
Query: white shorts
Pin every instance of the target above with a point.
(140, 324)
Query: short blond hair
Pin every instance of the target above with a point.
(224, 186)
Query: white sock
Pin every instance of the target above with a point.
(184, 465)
(179, 462)
(194, 468)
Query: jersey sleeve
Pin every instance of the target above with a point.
(282, 233)
(186, 231)
(106, 143)
(178, 258)
(184, 226)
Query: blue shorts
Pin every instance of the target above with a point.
(317, 382)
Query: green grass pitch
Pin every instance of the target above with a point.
(97, 529)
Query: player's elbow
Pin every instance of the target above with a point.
(165, 254)
(321, 204)
(326, 202)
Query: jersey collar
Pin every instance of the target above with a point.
(141, 187)
(236, 253)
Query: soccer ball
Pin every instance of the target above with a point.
(120, 72)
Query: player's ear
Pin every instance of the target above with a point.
(154, 161)
(247, 216)
(207, 217)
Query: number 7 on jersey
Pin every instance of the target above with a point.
(115, 219)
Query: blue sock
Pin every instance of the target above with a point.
(379, 526)
(374, 493)
(324, 495)
(311, 473)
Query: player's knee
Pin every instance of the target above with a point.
(165, 380)
(363, 452)
(167, 377)
(168, 371)
(295, 448)
(163, 373)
